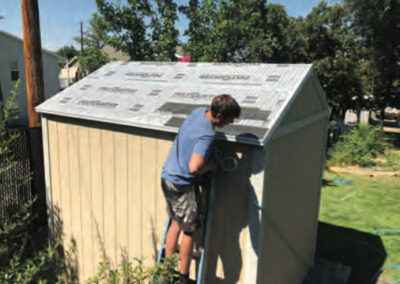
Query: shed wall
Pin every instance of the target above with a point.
(291, 205)
(309, 102)
(233, 230)
(105, 192)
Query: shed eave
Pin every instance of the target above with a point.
(278, 119)
(165, 129)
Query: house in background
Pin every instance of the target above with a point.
(181, 56)
(12, 70)
(71, 72)
(115, 55)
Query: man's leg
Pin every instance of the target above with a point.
(172, 238)
(185, 254)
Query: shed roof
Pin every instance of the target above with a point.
(158, 95)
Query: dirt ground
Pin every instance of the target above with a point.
(384, 280)
(364, 171)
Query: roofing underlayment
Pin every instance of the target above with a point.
(158, 96)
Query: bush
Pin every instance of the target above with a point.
(392, 160)
(134, 272)
(360, 147)
(25, 254)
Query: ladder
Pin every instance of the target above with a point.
(226, 164)
(199, 242)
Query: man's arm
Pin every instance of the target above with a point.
(198, 163)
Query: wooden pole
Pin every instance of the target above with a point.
(34, 96)
(81, 37)
(32, 60)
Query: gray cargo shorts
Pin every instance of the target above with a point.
(183, 205)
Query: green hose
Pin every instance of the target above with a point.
(387, 232)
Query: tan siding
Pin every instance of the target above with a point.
(65, 204)
(309, 102)
(54, 169)
(163, 148)
(135, 196)
(46, 163)
(291, 201)
(107, 187)
(121, 191)
(230, 222)
(75, 194)
(149, 198)
(86, 201)
(108, 174)
(97, 189)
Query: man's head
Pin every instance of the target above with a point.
(224, 109)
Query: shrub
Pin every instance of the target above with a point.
(392, 160)
(135, 272)
(25, 254)
(360, 147)
(8, 112)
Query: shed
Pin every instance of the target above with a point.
(106, 138)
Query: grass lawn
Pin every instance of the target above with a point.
(367, 204)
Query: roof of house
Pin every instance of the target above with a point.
(115, 54)
(158, 95)
(14, 37)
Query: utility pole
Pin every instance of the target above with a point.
(32, 60)
(81, 37)
(34, 96)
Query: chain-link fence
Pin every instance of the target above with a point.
(15, 174)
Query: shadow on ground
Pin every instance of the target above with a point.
(358, 256)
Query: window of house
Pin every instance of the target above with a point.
(14, 71)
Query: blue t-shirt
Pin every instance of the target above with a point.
(196, 135)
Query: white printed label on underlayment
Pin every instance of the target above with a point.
(159, 96)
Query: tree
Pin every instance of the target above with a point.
(97, 36)
(128, 26)
(94, 39)
(67, 52)
(92, 59)
(227, 31)
(278, 26)
(377, 22)
(337, 54)
(296, 41)
(202, 17)
(164, 33)
(240, 31)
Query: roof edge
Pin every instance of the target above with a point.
(14, 37)
(278, 120)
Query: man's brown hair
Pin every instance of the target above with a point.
(225, 106)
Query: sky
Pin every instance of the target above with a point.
(60, 19)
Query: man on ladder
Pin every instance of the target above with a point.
(187, 161)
